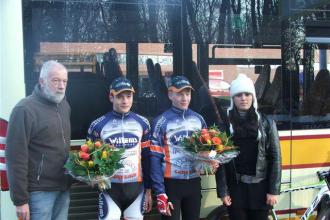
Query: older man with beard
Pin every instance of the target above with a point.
(38, 143)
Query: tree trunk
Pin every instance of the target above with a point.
(152, 23)
(254, 23)
(222, 21)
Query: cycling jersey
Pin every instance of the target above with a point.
(168, 159)
(132, 132)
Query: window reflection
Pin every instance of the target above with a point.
(317, 99)
(148, 41)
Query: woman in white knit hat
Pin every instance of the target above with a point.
(250, 184)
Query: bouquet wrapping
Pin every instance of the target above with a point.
(95, 163)
(209, 149)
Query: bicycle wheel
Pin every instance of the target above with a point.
(324, 214)
(272, 215)
(219, 213)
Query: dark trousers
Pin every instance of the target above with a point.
(186, 198)
(236, 213)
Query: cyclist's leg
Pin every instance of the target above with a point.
(191, 202)
(176, 212)
(134, 211)
(108, 209)
(173, 190)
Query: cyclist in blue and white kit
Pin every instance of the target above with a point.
(125, 129)
(176, 183)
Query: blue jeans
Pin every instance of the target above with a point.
(52, 205)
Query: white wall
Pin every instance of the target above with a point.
(12, 87)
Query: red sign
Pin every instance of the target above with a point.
(217, 86)
(3, 173)
(215, 74)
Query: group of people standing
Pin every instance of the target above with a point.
(38, 144)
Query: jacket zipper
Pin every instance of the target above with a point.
(235, 171)
(122, 135)
(187, 136)
(62, 129)
(184, 119)
(41, 165)
(122, 129)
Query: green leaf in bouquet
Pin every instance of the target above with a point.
(97, 161)
(80, 171)
(230, 143)
(68, 165)
(92, 173)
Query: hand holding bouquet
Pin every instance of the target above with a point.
(95, 163)
(210, 148)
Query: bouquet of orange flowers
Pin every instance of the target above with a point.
(209, 148)
(95, 163)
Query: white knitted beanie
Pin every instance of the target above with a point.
(242, 84)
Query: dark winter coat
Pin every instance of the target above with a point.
(38, 144)
(268, 164)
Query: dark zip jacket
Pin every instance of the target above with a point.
(268, 164)
(38, 144)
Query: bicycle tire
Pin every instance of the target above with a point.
(271, 216)
(324, 214)
(219, 213)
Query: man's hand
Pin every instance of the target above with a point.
(271, 199)
(23, 212)
(147, 205)
(163, 206)
(215, 165)
(226, 200)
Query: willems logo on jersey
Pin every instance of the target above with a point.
(126, 140)
(177, 137)
(103, 207)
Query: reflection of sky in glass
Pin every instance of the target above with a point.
(163, 60)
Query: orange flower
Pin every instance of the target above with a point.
(97, 144)
(206, 137)
(83, 155)
(204, 131)
(213, 132)
(216, 141)
(84, 148)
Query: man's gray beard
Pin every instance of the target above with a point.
(51, 96)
